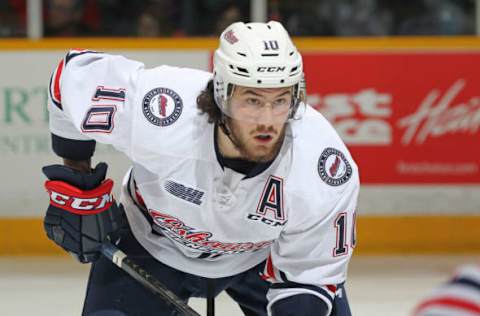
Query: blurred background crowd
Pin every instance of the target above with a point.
(175, 18)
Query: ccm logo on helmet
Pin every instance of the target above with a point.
(271, 69)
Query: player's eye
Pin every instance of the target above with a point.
(280, 102)
(253, 101)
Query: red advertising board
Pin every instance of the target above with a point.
(407, 117)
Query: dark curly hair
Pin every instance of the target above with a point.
(206, 104)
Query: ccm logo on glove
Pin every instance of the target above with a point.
(74, 200)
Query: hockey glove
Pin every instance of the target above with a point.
(82, 212)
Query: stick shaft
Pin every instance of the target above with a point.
(120, 259)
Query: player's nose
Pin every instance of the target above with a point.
(265, 115)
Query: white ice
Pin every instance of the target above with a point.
(383, 286)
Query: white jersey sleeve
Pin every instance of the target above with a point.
(90, 98)
(312, 253)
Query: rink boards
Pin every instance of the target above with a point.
(407, 108)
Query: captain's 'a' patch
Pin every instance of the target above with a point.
(270, 209)
(333, 167)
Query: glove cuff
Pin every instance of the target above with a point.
(84, 181)
(81, 202)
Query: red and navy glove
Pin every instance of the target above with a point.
(82, 212)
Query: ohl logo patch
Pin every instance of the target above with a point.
(333, 167)
(183, 192)
(270, 208)
(162, 106)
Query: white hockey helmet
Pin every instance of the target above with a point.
(258, 55)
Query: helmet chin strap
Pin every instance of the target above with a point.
(226, 130)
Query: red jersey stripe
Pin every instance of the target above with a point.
(270, 271)
(450, 302)
(332, 288)
(56, 83)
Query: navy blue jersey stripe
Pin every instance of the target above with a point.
(155, 229)
(467, 282)
(70, 56)
(57, 104)
(283, 276)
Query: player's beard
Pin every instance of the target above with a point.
(261, 153)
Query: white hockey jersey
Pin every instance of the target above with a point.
(199, 217)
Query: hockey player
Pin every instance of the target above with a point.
(236, 184)
(460, 296)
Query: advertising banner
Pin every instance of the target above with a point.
(408, 118)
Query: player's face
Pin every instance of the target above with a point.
(257, 120)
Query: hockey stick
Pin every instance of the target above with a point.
(120, 259)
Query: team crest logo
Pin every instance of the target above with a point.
(162, 106)
(333, 167)
(230, 37)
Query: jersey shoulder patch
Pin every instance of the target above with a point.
(162, 106)
(333, 167)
